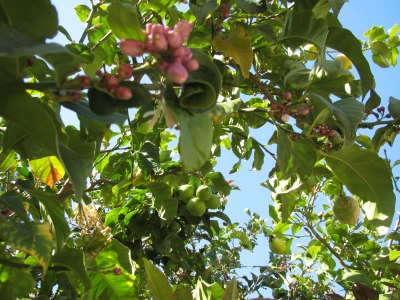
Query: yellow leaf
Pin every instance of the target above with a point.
(236, 44)
(48, 169)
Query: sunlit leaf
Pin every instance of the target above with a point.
(48, 169)
(166, 205)
(367, 176)
(231, 291)
(236, 44)
(157, 282)
(124, 21)
(15, 283)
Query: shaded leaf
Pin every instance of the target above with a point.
(166, 205)
(202, 9)
(252, 6)
(124, 21)
(15, 283)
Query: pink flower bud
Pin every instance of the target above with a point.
(125, 71)
(183, 28)
(177, 73)
(287, 96)
(192, 65)
(123, 93)
(174, 39)
(160, 43)
(179, 52)
(303, 110)
(149, 27)
(163, 66)
(132, 47)
(84, 81)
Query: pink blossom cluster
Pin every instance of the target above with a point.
(112, 82)
(165, 44)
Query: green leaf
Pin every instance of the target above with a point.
(373, 101)
(201, 89)
(183, 292)
(48, 169)
(157, 282)
(252, 6)
(148, 157)
(55, 212)
(344, 41)
(202, 9)
(394, 107)
(220, 183)
(284, 204)
(231, 291)
(17, 106)
(367, 176)
(74, 261)
(15, 203)
(124, 21)
(243, 238)
(112, 287)
(36, 241)
(304, 28)
(83, 12)
(166, 205)
(195, 140)
(37, 19)
(15, 283)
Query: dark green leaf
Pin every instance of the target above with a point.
(373, 101)
(74, 261)
(394, 107)
(203, 8)
(16, 204)
(15, 283)
(252, 6)
(166, 205)
(220, 183)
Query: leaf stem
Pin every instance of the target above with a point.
(89, 22)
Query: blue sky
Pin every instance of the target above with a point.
(357, 16)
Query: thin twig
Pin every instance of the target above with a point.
(89, 22)
(102, 40)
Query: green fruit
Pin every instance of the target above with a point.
(277, 245)
(203, 192)
(196, 206)
(346, 63)
(346, 210)
(311, 51)
(214, 202)
(185, 192)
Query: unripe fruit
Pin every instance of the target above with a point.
(204, 192)
(196, 207)
(346, 63)
(214, 202)
(277, 245)
(185, 192)
(346, 210)
(311, 51)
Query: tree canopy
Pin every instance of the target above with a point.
(128, 204)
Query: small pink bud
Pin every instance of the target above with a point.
(331, 132)
(183, 28)
(177, 73)
(388, 116)
(123, 93)
(192, 65)
(303, 110)
(149, 27)
(174, 39)
(117, 271)
(112, 82)
(125, 71)
(285, 118)
(287, 96)
(75, 96)
(179, 52)
(132, 47)
(84, 81)
(160, 43)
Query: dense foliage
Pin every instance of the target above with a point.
(129, 204)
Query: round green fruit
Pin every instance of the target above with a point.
(214, 202)
(346, 63)
(196, 206)
(203, 192)
(277, 245)
(311, 51)
(346, 210)
(185, 192)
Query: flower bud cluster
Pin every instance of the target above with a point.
(112, 82)
(323, 130)
(165, 44)
(285, 110)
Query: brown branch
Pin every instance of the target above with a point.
(262, 87)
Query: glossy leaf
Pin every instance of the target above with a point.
(304, 28)
(367, 176)
(36, 241)
(344, 41)
(112, 286)
(236, 44)
(48, 169)
(124, 21)
(158, 283)
(73, 260)
(252, 6)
